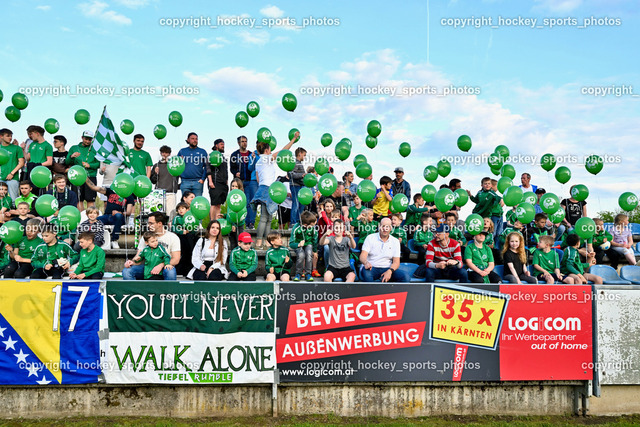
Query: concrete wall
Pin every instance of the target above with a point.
(616, 400)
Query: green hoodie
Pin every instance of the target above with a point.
(45, 254)
(571, 263)
(85, 156)
(92, 262)
(243, 260)
(275, 258)
(308, 234)
(487, 203)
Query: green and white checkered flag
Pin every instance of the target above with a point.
(107, 145)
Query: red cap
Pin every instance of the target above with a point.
(245, 238)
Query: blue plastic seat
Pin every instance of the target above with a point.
(411, 268)
(560, 254)
(635, 229)
(499, 270)
(411, 244)
(630, 273)
(608, 226)
(636, 249)
(608, 274)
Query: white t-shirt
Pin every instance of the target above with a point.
(168, 240)
(381, 253)
(266, 170)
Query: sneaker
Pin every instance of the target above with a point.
(308, 278)
(315, 273)
(115, 245)
(296, 278)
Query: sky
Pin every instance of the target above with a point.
(543, 76)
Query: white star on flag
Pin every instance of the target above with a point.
(2, 332)
(33, 369)
(22, 357)
(9, 344)
(43, 381)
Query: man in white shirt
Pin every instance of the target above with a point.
(171, 242)
(380, 256)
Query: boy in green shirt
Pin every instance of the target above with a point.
(92, 259)
(423, 237)
(243, 260)
(573, 267)
(547, 263)
(20, 267)
(355, 210)
(364, 225)
(414, 214)
(9, 172)
(5, 202)
(479, 260)
(177, 225)
(39, 153)
(52, 258)
(277, 262)
(455, 233)
(486, 199)
(399, 232)
(27, 197)
(304, 240)
(601, 242)
(154, 256)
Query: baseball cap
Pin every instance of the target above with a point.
(399, 169)
(87, 134)
(442, 228)
(485, 232)
(245, 238)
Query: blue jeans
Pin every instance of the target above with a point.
(14, 188)
(136, 272)
(375, 273)
(459, 274)
(295, 205)
(117, 221)
(191, 185)
(497, 226)
(250, 188)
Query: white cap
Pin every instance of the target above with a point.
(88, 134)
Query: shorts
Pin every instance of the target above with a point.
(218, 195)
(85, 194)
(541, 278)
(340, 273)
(279, 274)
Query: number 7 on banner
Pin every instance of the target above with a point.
(56, 306)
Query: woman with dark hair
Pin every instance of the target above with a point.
(210, 255)
(187, 197)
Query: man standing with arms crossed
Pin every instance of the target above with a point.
(195, 162)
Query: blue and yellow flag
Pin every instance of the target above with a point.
(49, 332)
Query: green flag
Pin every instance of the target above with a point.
(107, 145)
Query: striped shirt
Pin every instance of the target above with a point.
(437, 253)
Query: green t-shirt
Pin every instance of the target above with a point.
(86, 155)
(423, 237)
(15, 153)
(480, 257)
(26, 247)
(140, 159)
(456, 234)
(152, 258)
(354, 212)
(549, 261)
(488, 240)
(29, 198)
(400, 234)
(40, 151)
(45, 254)
(6, 202)
(91, 262)
(276, 258)
(177, 226)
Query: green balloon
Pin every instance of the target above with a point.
(292, 134)
(366, 191)
(357, 160)
(237, 217)
(495, 161)
(444, 199)
(216, 158)
(400, 202)
(431, 173)
(264, 135)
(428, 193)
(160, 131)
(363, 170)
(4, 156)
(126, 126)
(68, 218)
(549, 203)
(289, 102)
(175, 165)
(594, 164)
(563, 174)
(305, 196)
(175, 118)
(557, 216)
(371, 141)
(309, 180)
(40, 176)
(12, 113)
(123, 185)
(374, 128)
(278, 192)
(286, 160)
(475, 224)
(342, 150)
(77, 175)
(11, 232)
(530, 197)
(502, 151)
(585, 227)
(236, 200)
(461, 197)
(82, 117)
(548, 162)
(504, 183)
(51, 126)
(253, 109)
(495, 171)
(321, 166)
(242, 119)
(200, 207)
(225, 226)
(525, 212)
(142, 186)
(628, 201)
(1, 96)
(464, 143)
(46, 205)
(444, 168)
(348, 142)
(191, 223)
(273, 143)
(327, 184)
(20, 101)
(326, 139)
(580, 192)
(404, 149)
(508, 171)
(512, 196)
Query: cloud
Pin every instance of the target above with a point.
(66, 30)
(201, 40)
(272, 11)
(558, 6)
(133, 4)
(259, 38)
(237, 83)
(43, 8)
(215, 46)
(98, 9)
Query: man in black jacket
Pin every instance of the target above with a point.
(163, 180)
(218, 177)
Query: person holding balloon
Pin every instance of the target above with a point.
(164, 180)
(622, 242)
(21, 267)
(62, 193)
(210, 255)
(195, 162)
(13, 164)
(113, 211)
(296, 183)
(40, 152)
(59, 155)
(384, 196)
(83, 155)
(574, 209)
(53, 257)
(218, 177)
(487, 202)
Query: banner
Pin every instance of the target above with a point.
(439, 332)
(49, 332)
(190, 333)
